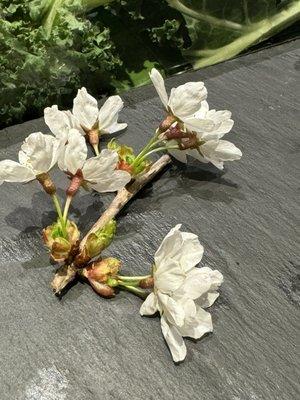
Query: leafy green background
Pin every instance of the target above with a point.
(49, 48)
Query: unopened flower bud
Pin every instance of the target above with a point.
(147, 283)
(166, 123)
(61, 247)
(103, 270)
(99, 240)
(47, 183)
(75, 183)
(102, 289)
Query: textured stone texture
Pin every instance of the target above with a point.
(85, 347)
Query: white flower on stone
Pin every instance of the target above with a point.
(181, 291)
(184, 101)
(38, 154)
(98, 172)
(86, 112)
(60, 122)
(210, 126)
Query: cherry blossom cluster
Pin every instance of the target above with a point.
(175, 287)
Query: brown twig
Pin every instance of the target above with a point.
(66, 274)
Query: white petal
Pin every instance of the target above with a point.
(169, 246)
(198, 125)
(73, 122)
(197, 326)
(85, 108)
(174, 340)
(185, 100)
(57, 121)
(180, 155)
(12, 171)
(222, 124)
(216, 278)
(189, 307)
(40, 152)
(208, 299)
(100, 166)
(75, 152)
(172, 310)
(197, 283)
(116, 127)
(218, 151)
(195, 154)
(169, 276)
(159, 84)
(100, 172)
(149, 307)
(192, 251)
(181, 247)
(115, 181)
(201, 113)
(109, 112)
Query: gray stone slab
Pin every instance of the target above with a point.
(85, 347)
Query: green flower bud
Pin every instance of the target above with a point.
(61, 247)
(99, 240)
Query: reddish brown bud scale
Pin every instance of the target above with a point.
(75, 183)
(81, 259)
(166, 123)
(124, 166)
(147, 283)
(47, 183)
(102, 289)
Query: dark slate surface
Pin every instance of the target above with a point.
(85, 347)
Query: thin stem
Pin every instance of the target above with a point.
(66, 209)
(139, 292)
(133, 278)
(160, 149)
(152, 142)
(57, 206)
(60, 215)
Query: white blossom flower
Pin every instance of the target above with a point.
(209, 126)
(184, 101)
(38, 154)
(60, 122)
(181, 290)
(98, 172)
(86, 112)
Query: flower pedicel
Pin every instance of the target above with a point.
(176, 289)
